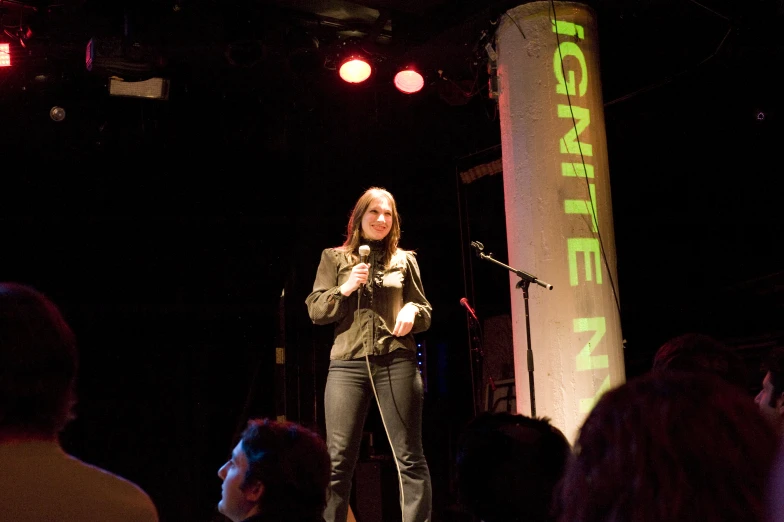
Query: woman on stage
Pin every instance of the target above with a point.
(376, 301)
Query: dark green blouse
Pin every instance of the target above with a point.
(365, 319)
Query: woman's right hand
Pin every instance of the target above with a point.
(358, 277)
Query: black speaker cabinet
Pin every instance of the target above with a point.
(375, 496)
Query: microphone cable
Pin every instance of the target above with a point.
(370, 330)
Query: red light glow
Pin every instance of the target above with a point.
(355, 70)
(409, 81)
(5, 55)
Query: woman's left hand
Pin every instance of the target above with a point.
(405, 320)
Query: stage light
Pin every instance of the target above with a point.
(355, 69)
(152, 89)
(142, 75)
(5, 55)
(57, 113)
(409, 81)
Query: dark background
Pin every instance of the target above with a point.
(180, 238)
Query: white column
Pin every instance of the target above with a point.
(558, 209)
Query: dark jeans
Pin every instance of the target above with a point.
(347, 398)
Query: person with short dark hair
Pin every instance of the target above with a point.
(508, 467)
(38, 369)
(770, 399)
(698, 352)
(674, 446)
(278, 471)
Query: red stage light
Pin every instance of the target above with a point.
(355, 69)
(409, 81)
(5, 55)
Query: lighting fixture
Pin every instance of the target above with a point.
(409, 81)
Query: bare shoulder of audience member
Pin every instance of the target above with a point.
(700, 352)
(671, 446)
(38, 368)
(508, 466)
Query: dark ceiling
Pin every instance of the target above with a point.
(644, 43)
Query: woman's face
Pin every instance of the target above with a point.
(377, 220)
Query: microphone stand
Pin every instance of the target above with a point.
(477, 362)
(525, 280)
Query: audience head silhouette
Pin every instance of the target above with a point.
(38, 370)
(698, 352)
(278, 471)
(508, 466)
(38, 364)
(673, 446)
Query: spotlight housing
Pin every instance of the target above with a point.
(152, 89)
(57, 113)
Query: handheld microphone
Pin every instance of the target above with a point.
(364, 252)
(464, 302)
